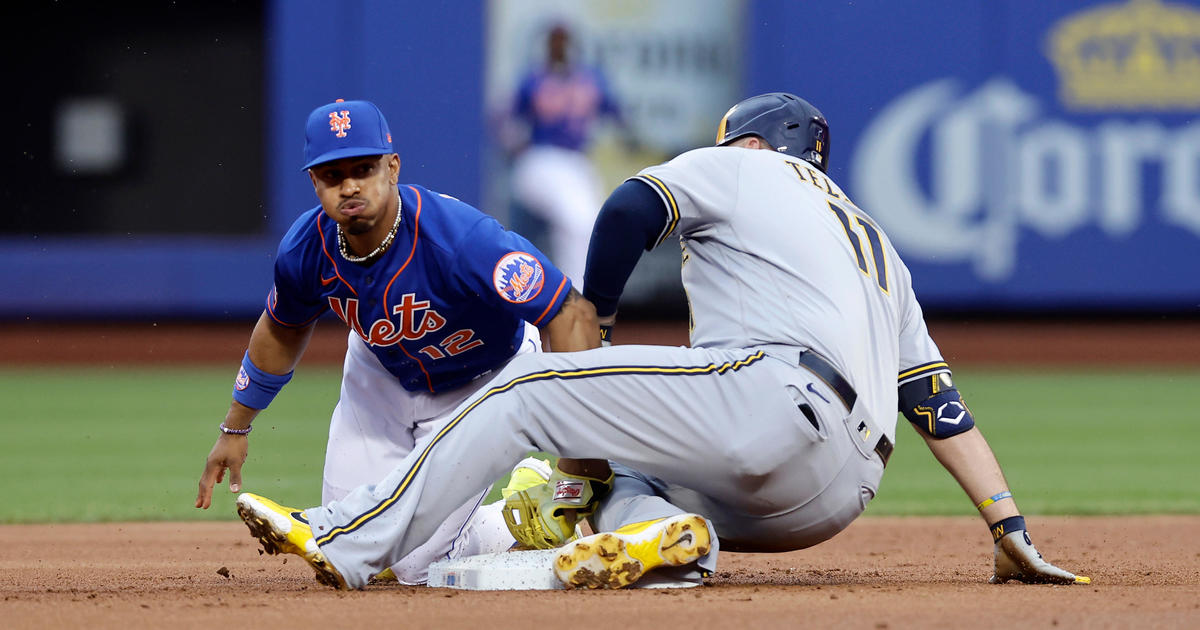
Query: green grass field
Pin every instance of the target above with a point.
(114, 444)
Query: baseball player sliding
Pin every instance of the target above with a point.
(770, 433)
(437, 296)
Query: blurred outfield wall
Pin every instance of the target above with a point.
(1026, 155)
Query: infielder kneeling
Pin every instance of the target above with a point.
(437, 297)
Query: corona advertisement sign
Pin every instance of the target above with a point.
(1062, 173)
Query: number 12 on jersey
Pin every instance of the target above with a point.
(876, 244)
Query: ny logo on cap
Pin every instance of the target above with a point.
(339, 123)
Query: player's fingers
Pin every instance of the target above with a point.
(204, 495)
(235, 478)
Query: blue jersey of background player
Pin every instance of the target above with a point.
(446, 301)
(553, 177)
(560, 104)
(435, 294)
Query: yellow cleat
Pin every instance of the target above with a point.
(285, 530)
(528, 473)
(386, 575)
(618, 559)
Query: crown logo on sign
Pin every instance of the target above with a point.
(1140, 55)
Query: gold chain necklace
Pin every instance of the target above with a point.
(344, 247)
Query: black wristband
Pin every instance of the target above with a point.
(606, 334)
(1006, 526)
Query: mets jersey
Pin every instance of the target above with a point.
(775, 254)
(561, 107)
(445, 303)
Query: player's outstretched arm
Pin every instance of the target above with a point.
(274, 352)
(538, 517)
(574, 327)
(629, 222)
(971, 461)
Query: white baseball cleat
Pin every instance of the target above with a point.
(619, 558)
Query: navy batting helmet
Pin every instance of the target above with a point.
(787, 122)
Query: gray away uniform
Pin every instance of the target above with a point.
(774, 425)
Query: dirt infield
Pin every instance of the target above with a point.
(880, 573)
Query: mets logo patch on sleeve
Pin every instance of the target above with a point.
(242, 381)
(518, 277)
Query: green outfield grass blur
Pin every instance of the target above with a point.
(115, 444)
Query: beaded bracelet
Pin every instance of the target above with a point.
(227, 430)
(994, 498)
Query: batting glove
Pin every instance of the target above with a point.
(1017, 559)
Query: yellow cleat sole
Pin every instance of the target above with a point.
(617, 559)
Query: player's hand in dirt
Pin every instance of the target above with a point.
(1017, 559)
(228, 453)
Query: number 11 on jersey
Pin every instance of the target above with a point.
(876, 244)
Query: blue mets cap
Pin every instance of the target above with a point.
(345, 129)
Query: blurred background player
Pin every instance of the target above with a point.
(437, 296)
(554, 110)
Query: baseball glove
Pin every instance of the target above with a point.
(544, 516)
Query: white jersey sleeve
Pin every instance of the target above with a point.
(919, 355)
(698, 189)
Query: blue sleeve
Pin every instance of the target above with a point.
(295, 301)
(630, 221)
(507, 271)
(523, 104)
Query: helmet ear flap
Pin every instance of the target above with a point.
(818, 133)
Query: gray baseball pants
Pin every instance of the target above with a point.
(717, 432)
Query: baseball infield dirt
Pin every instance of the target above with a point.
(880, 573)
